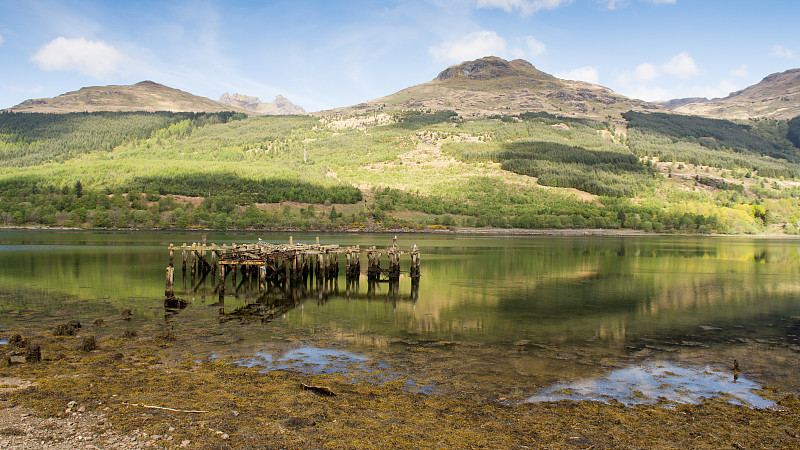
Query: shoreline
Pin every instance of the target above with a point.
(138, 390)
(499, 232)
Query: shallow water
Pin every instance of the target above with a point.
(654, 380)
(516, 315)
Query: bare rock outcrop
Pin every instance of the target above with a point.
(281, 105)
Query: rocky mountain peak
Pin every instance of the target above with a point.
(488, 68)
(280, 106)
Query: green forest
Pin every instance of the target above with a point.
(400, 170)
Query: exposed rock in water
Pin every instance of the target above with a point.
(64, 330)
(280, 106)
(175, 303)
(88, 344)
(33, 353)
(18, 341)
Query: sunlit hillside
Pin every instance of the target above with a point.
(398, 169)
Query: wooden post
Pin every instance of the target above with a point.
(353, 264)
(317, 240)
(221, 286)
(290, 240)
(414, 272)
(171, 256)
(169, 291)
(336, 265)
(184, 257)
(262, 278)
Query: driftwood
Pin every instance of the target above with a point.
(319, 390)
(164, 408)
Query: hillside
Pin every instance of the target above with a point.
(144, 96)
(491, 85)
(474, 148)
(777, 96)
(280, 106)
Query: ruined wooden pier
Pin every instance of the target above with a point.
(286, 261)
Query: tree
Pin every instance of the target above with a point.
(78, 188)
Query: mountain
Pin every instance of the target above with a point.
(777, 96)
(677, 102)
(492, 85)
(280, 106)
(143, 96)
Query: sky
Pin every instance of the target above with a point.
(326, 54)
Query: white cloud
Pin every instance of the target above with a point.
(646, 72)
(534, 47)
(681, 65)
(779, 51)
(616, 4)
(525, 7)
(93, 58)
(612, 4)
(588, 74)
(1, 39)
(486, 43)
(740, 72)
(472, 46)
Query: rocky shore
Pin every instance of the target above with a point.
(139, 387)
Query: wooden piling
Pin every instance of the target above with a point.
(414, 270)
(262, 279)
(184, 258)
(169, 291)
(221, 286)
(293, 261)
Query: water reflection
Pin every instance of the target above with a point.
(244, 295)
(615, 296)
(651, 381)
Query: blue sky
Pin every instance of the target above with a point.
(323, 54)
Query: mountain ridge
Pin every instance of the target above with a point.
(281, 105)
(776, 96)
(147, 96)
(491, 86)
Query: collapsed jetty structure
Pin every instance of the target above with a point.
(288, 261)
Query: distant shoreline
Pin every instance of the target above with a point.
(499, 232)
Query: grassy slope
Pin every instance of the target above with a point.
(431, 179)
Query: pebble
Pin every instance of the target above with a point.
(185, 443)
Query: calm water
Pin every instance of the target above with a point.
(546, 309)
